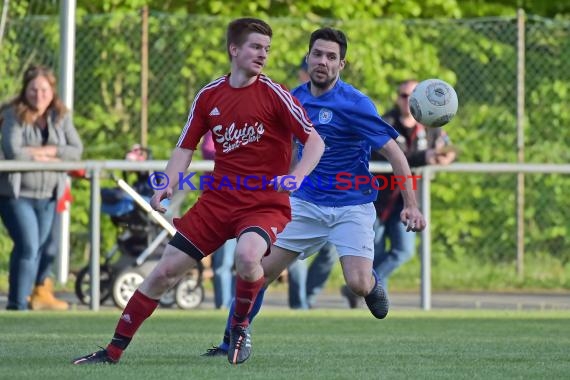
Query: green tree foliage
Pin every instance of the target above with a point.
(338, 9)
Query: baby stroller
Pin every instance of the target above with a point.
(141, 238)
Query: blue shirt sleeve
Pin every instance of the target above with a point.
(370, 125)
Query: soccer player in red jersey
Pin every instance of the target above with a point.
(252, 120)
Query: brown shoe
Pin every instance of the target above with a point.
(42, 298)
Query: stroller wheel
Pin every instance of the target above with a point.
(189, 293)
(83, 284)
(125, 285)
(168, 299)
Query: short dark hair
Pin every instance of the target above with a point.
(239, 29)
(330, 34)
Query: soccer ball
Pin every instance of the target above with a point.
(433, 103)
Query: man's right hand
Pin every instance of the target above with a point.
(158, 196)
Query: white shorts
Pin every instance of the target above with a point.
(349, 228)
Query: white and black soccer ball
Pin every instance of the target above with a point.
(433, 103)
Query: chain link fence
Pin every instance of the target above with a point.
(472, 214)
(478, 56)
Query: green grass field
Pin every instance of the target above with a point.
(319, 344)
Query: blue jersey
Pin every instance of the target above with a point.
(350, 126)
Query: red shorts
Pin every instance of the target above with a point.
(218, 216)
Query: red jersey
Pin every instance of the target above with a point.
(252, 128)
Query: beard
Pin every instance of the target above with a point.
(322, 83)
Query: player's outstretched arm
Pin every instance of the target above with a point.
(411, 215)
(312, 152)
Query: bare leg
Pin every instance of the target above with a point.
(172, 266)
(357, 273)
(362, 281)
(277, 261)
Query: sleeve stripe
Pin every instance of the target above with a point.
(297, 111)
(210, 85)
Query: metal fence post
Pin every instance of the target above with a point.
(520, 195)
(425, 298)
(66, 76)
(95, 238)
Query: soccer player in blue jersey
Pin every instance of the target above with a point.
(325, 209)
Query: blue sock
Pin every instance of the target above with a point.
(226, 341)
(254, 311)
(376, 279)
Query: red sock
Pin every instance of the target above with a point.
(245, 295)
(138, 309)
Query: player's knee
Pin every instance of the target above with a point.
(246, 262)
(161, 279)
(359, 285)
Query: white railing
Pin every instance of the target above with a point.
(427, 173)
(94, 169)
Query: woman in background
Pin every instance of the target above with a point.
(36, 126)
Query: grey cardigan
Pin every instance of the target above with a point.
(16, 136)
